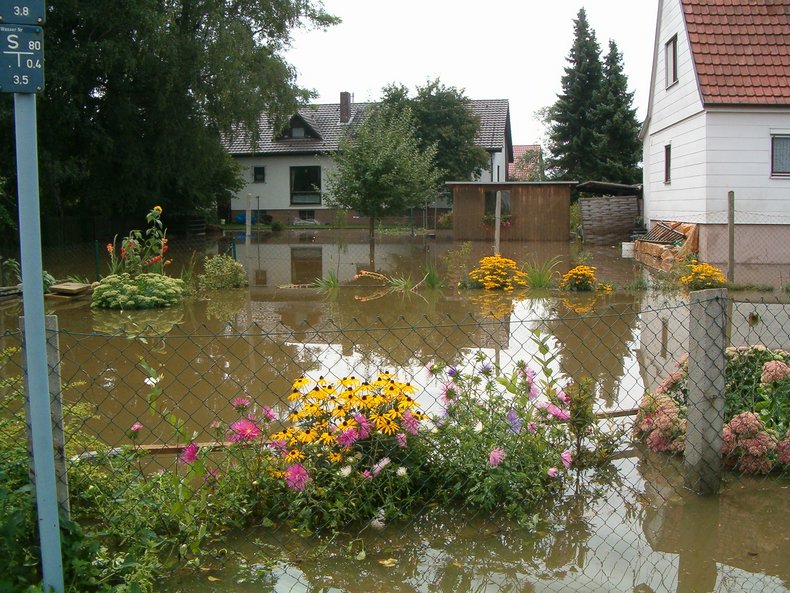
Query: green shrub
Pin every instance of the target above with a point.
(277, 226)
(222, 272)
(144, 291)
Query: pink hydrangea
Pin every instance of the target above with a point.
(746, 446)
(783, 450)
(496, 456)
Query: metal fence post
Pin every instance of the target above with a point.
(706, 380)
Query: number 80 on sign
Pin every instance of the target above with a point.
(21, 59)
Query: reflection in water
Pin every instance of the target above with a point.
(604, 535)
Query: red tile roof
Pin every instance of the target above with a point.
(741, 50)
(522, 169)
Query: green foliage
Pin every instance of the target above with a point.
(443, 119)
(592, 127)
(381, 169)
(10, 271)
(277, 226)
(141, 252)
(619, 146)
(120, 126)
(144, 291)
(573, 133)
(222, 272)
(542, 274)
(330, 282)
(458, 263)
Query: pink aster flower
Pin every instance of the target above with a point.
(240, 404)
(347, 437)
(563, 397)
(244, 430)
(376, 469)
(553, 472)
(269, 415)
(296, 476)
(189, 454)
(558, 412)
(532, 427)
(410, 423)
(496, 456)
(567, 458)
(136, 427)
(401, 438)
(365, 427)
(367, 475)
(279, 446)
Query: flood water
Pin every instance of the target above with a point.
(633, 528)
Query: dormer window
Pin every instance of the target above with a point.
(297, 132)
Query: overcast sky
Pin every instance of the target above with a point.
(494, 49)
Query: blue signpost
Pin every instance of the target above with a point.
(22, 73)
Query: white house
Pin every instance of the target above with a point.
(718, 120)
(286, 172)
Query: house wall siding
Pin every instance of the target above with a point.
(738, 155)
(682, 99)
(683, 198)
(275, 192)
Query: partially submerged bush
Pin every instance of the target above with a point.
(496, 272)
(144, 291)
(221, 272)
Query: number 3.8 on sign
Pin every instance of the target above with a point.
(21, 59)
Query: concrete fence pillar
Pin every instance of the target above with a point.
(706, 368)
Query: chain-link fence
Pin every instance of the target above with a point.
(547, 447)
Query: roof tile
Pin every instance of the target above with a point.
(740, 50)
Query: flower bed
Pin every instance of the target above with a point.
(756, 434)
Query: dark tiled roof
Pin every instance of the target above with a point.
(325, 119)
(520, 169)
(741, 50)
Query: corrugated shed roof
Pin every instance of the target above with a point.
(325, 119)
(741, 50)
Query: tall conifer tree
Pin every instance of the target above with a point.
(572, 123)
(620, 149)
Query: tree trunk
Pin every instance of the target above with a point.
(372, 243)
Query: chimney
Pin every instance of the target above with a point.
(345, 107)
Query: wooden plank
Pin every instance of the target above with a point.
(70, 288)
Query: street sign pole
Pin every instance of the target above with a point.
(22, 73)
(36, 341)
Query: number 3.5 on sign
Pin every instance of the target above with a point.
(21, 59)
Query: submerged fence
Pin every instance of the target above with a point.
(546, 446)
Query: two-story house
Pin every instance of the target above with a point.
(718, 120)
(286, 172)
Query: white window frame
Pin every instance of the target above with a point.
(784, 139)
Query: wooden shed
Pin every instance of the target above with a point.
(531, 211)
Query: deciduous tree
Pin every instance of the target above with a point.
(138, 95)
(443, 118)
(381, 168)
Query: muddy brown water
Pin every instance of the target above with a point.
(633, 529)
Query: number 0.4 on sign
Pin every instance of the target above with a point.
(21, 59)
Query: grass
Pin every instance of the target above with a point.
(543, 274)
